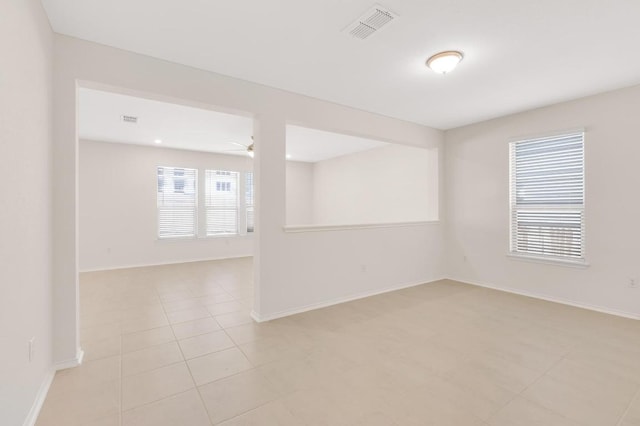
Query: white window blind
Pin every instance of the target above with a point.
(177, 202)
(249, 201)
(547, 197)
(221, 189)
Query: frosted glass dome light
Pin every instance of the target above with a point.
(444, 62)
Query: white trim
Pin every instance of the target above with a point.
(203, 237)
(545, 135)
(144, 265)
(582, 207)
(580, 264)
(318, 228)
(74, 362)
(313, 306)
(32, 417)
(568, 302)
(254, 315)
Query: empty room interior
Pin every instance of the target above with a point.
(319, 213)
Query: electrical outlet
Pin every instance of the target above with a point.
(32, 344)
(633, 282)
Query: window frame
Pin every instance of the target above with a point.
(196, 207)
(513, 206)
(221, 187)
(200, 224)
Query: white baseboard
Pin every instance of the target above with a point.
(292, 311)
(74, 362)
(39, 401)
(145, 265)
(547, 298)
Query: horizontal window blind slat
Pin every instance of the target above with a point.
(221, 201)
(547, 196)
(177, 196)
(249, 201)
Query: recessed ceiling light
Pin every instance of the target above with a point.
(158, 141)
(288, 156)
(444, 62)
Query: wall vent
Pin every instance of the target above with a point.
(370, 22)
(130, 119)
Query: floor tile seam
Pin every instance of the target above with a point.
(192, 319)
(201, 399)
(521, 393)
(237, 373)
(512, 394)
(148, 347)
(208, 353)
(573, 388)
(184, 359)
(543, 374)
(193, 380)
(252, 409)
(472, 363)
(636, 397)
(155, 345)
(167, 365)
(218, 351)
(155, 401)
(121, 392)
(224, 313)
(227, 377)
(157, 368)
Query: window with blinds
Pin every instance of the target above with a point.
(547, 197)
(177, 202)
(248, 188)
(221, 202)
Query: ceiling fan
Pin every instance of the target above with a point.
(247, 148)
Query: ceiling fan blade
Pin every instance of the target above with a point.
(239, 144)
(233, 150)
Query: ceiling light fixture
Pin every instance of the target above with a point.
(288, 156)
(444, 62)
(158, 141)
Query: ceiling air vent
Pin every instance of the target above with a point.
(130, 119)
(370, 22)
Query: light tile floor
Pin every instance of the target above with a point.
(174, 345)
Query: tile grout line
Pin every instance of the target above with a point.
(197, 388)
(546, 372)
(193, 380)
(635, 398)
(235, 345)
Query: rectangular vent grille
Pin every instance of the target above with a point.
(362, 31)
(130, 119)
(370, 22)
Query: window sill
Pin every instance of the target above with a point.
(208, 238)
(322, 228)
(579, 264)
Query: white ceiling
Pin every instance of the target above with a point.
(518, 54)
(183, 127)
(177, 126)
(311, 145)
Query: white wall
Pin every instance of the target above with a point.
(117, 199)
(291, 270)
(25, 246)
(392, 183)
(299, 193)
(477, 197)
